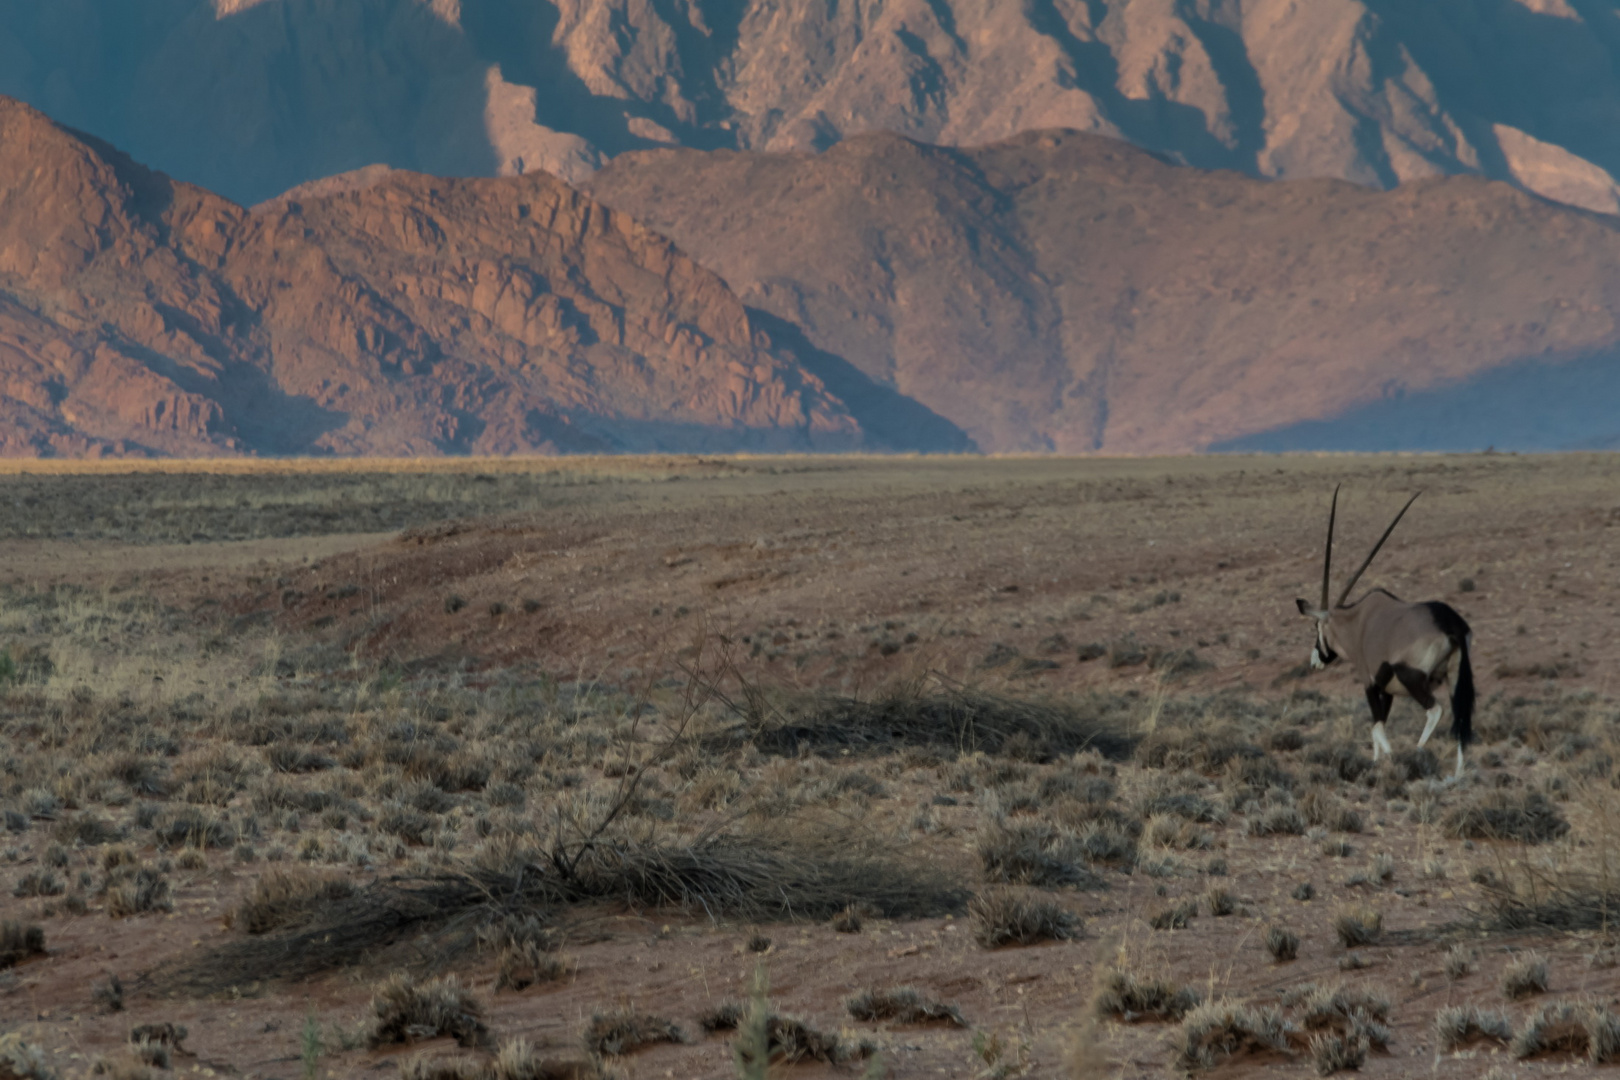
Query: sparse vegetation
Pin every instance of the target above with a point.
(1281, 943)
(903, 1005)
(1459, 1026)
(625, 1032)
(1222, 1030)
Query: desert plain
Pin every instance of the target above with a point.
(796, 766)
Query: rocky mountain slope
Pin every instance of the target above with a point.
(413, 315)
(250, 97)
(1062, 291)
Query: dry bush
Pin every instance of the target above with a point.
(1009, 917)
(20, 1060)
(516, 1060)
(1464, 1025)
(407, 1010)
(1221, 1030)
(1525, 816)
(1341, 1009)
(1035, 853)
(1174, 917)
(1281, 943)
(798, 874)
(287, 897)
(1122, 994)
(1358, 925)
(1343, 760)
(1277, 821)
(903, 1004)
(1332, 1052)
(1220, 901)
(1562, 1027)
(135, 890)
(19, 942)
(625, 1032)
(1525, 977)
(1459, 962)
(952, 722)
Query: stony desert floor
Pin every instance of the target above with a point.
(653, 767)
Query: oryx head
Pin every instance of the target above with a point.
(1323, 652)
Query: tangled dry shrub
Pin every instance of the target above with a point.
(18, 942)
(135, 890)
(625, 1032)
(1122, 994)
(1222, 1030)
(1009, 917)
(516, 1060)
(1357, 926)
(287, 897)
(1495, 814)
(903, 1004)
(1563, 1027)
(754, 876)
(953, 721)
(1460, 1026)
(1525, 977)
(21, 1060)
(1174, 917)
(1035, 853)
(406, 1010)
(1281, 943)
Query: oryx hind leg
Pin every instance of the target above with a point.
(1421, 687)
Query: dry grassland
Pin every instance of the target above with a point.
(794, 767)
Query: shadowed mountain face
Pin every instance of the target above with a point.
(1061, 291)
(404, 315)
(250, 97)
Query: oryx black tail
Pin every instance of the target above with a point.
(1462, 696)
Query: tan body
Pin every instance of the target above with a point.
(1379, 625)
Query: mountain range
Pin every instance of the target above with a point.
(251, 97)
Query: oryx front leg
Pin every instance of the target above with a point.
(1379, 700)
(1459, 772)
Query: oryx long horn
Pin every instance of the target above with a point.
(1327, 560)
(1373, 554)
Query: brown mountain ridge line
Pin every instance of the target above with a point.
(1068, 292)
(416, 316)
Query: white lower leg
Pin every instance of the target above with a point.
(1380, 741)
(1432, 720)
(1459, 760)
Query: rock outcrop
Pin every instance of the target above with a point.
(397, 314)
(1063, 291)
(251, 97)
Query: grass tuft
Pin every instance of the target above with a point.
(407, 1010)
(1131, 999)
(1008, 917)
(1356, 926)
(1221, 1030)
(1282, 943)
(18, 942)
(1460, 1026)
(1525, 977)
(902, 1004)
(625, 1032)
(1525, 816)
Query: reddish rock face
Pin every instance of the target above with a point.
(1068, 292)
(408, 315)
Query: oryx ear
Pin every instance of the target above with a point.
(1304, 606)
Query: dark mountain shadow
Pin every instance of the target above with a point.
(1526, 406)
(891, 420)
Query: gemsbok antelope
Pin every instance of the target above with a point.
(1397, 649)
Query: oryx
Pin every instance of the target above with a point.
(1395, 647)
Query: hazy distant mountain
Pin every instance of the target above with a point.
(400, 314)
(250, 97)
(1061, 291)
